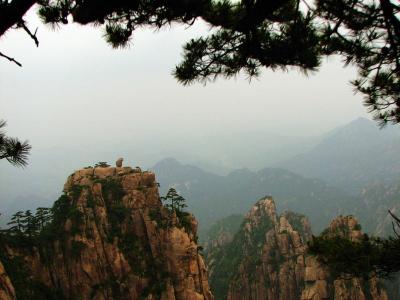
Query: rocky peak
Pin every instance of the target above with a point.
(263, 208)
(346, 227)
(110, 238)
(264, 259)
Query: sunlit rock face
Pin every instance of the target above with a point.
(319, 284)
(268, 259)
(115, 240)
(265, 259)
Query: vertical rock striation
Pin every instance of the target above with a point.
(111, 238)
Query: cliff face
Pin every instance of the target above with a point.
(375, 201)
(7, 291)
(321, 285)
(267, 259)
(111, 239)
(274, 266)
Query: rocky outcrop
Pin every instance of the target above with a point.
(265, 259)
(274, 266)
(111, 238)
(319, 284)
(268, 259)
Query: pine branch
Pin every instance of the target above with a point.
(11, 59)
(396, 218)
(32, 35)
(11, 13)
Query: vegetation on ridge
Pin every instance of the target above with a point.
(367, 257)
(35, 231)
(46, 233)
(174, 205)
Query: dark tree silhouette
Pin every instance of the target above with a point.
(102, 164)
(43, 216)
(176, 205)
(367, 34)
(16, 222)
(369, 256)
(11, 16)
(12, 149)
(251, 34)
(29, 224)
(12, 13)
(174, 201)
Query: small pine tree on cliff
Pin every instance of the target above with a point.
(174, 201)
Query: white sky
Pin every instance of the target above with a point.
(75, 89)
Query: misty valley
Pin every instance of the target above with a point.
(181, 231)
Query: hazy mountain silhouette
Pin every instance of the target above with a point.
(374, 202)
(352, 156)
(211, 197)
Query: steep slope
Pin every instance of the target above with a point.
(211, 197)
(110, 238)
(222, 231)
(374, 202)
(268, 259)
(352, 156)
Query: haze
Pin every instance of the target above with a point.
(75, 89)
(78, 102)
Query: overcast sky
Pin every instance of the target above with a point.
(75, 89)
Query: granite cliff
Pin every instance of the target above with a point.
(265, 259)
(110, 237)
(268, 258)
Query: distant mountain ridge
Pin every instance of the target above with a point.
(352, 156)
(211, 197)
(349, 158)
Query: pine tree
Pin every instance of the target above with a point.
(12, 149)
(369, 256)
(366, 34)
(279, 34)
(16, 223)
(43, 216)
(29, 224)
(174, 201)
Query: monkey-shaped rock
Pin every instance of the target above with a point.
(118, 163)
